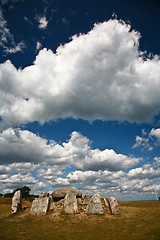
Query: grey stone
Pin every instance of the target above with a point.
(105, 202)
(95, 205)
(79, 200)
(45, 194)
(113, 205)
(70, 202)
(52, 206)
(40, 206)
(60, 193)
(16, 202)
(60, 203)
(86, 199)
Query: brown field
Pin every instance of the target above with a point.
(137, 220)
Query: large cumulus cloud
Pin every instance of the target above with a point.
(98, 75)
(18, 146)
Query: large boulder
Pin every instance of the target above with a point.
(95, 205)
(16, 202)
(60, 193)
(40, 206)
(70, 202)
(113, 205)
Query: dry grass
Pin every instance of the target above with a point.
(137, 220)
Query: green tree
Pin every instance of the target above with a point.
(24, 190)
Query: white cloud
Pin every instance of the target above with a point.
(148, 140)
(156, 134)
(38, 46)
(98, 75)
(42, 21)
(17, 146)
(6, 38)
(17, 48)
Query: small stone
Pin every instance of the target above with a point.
(70, 203)
(113, 205)
(95, 205)
(40, 206)
(16, 202)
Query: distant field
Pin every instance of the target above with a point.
(137, 220)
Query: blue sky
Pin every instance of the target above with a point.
(79, 96)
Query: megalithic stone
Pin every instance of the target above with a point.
(95, 205)
(70, 202)
(16, 202)
(113, 205)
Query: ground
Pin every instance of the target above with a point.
(137, 220)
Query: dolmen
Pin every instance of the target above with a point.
(95, 205)
(16, 202)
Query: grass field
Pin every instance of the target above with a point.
(137, 220)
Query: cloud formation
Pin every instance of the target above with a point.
(28, 159)
(42, 22)
(7, 42)
(18, 146)
(98, 75)
(148, 140)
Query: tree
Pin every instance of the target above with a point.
(24, 190)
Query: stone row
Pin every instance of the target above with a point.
(69, 198)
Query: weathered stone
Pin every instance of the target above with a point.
(113, 205)
(60, 193)
(40, 206)
(79, 200)
(59, 203)
(16, 202)
(52, 206)
(50, 195)
(95, 205)
(86, 199)
(45, 194)
(70, 202)
(105, 202)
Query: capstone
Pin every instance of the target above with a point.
(60, 193)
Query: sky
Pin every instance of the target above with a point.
(80, 97)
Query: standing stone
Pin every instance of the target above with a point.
(113, 205)
(16, 202)
(40, 206)
(95, 205)
(70, 203)
(106, 203)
